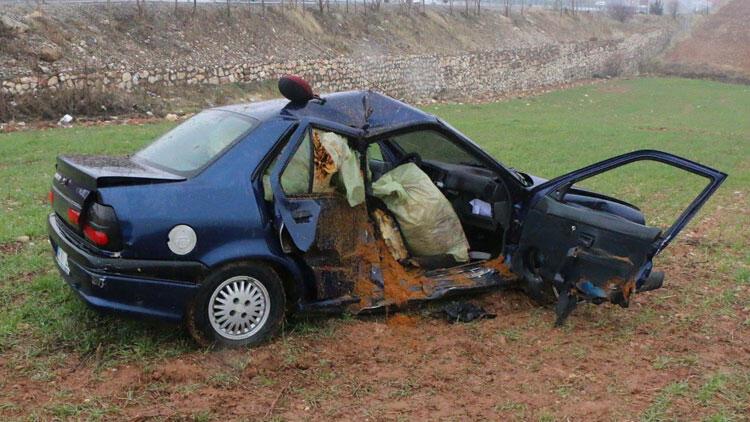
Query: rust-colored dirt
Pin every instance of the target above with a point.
(401, 320)
(501, 267)
(400, 284)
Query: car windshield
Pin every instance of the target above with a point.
(192, 145)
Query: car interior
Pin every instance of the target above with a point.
(476, 193)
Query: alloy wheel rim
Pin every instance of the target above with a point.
(239, 307)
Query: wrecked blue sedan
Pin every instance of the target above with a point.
(353, 201)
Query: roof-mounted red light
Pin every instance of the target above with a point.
(99, 238)
(74, 216)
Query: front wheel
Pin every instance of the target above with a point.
(239, 305)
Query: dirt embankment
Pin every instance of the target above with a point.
(52, 38)
(104, 60)
(719, 46)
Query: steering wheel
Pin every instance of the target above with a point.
(411, 157)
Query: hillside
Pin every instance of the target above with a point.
(719, 45)
(54, 38)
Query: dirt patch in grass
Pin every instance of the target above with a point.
(402, 320)
(11, 248)
(613, 89)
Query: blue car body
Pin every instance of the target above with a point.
(223, 203)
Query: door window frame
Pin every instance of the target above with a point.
(559, 186)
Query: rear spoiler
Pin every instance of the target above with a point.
(92, 172)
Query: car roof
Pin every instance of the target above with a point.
(344, 108)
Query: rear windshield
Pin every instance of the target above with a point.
(189, 147)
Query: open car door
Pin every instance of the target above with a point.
(578, 251)
(314, 213)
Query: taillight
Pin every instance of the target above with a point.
(98, 237)
(100, 226)
(74, 216)
(51, 197)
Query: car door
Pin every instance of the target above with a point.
(318, 218)
(593, 253)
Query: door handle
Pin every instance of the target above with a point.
(301, 216)
(585, 239)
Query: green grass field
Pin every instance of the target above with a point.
(42, 324)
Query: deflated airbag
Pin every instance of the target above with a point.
(428, 222)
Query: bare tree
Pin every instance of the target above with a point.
(656, 8)
(406, 6)
(507, 8)
(621, 12)
(559, 6)
(673, 8)
(321, 5)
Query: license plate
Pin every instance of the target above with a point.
(62, 260)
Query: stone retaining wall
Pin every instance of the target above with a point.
(416, 78)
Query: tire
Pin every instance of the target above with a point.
(239, 305)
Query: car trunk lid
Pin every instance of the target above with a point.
(75, 199)
(91, 172)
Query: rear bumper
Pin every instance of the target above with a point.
(160, 289)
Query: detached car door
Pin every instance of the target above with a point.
(580, 251)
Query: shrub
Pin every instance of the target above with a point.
(6, 32)
(656, 8)
(50, 105)
(613, 66)
(621, 12)
(673, 8)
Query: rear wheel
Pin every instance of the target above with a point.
(239, 305)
